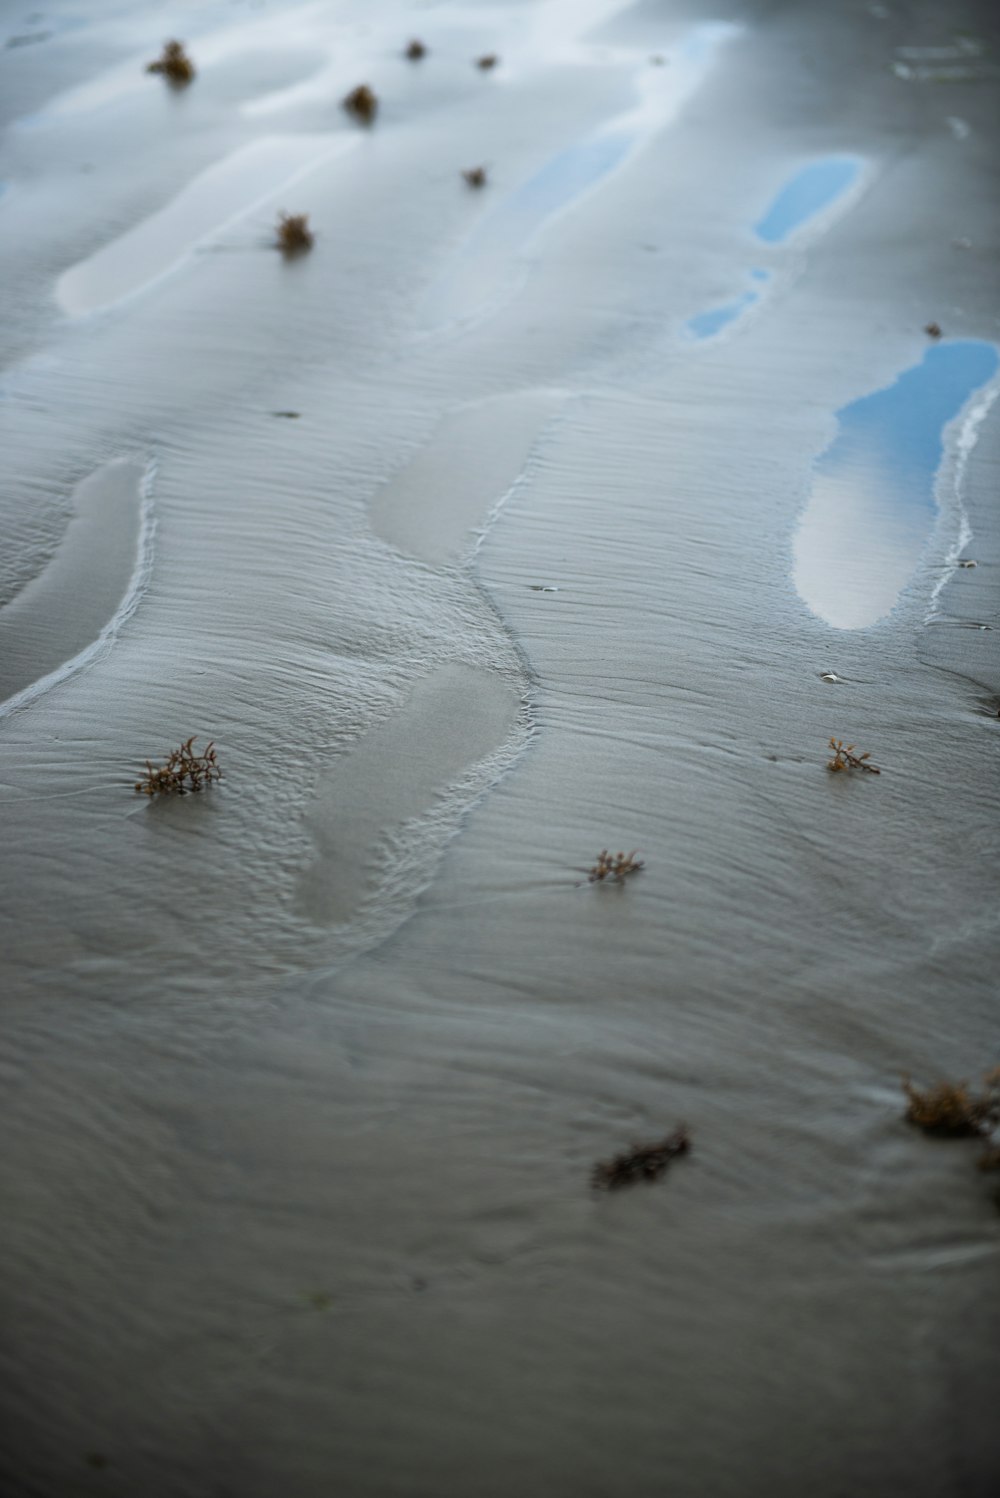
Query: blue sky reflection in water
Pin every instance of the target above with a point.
(485, 267)
(872, 508)
(563, 179)
(810, 192)
(806, 195)
(708, 324)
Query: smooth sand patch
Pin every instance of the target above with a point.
(432, 507)
(453, 718)
(217, 197)
(88, 581)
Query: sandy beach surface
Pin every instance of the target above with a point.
(574, 511)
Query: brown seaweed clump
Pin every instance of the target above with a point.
(183, 771)
(614, 866)
(844, 758)
(416, 50)
(643, 1162)
(361, 103)
(293, 234)
(475, 176)
(933, 330)
(487, 61)
(952, 1110)
(173, 63)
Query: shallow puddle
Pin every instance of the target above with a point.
(708, 324)
(809, 193)
(873, 507)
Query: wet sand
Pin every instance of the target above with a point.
(611, 491)
(437, 506)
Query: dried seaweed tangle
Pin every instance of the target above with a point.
(614, 866)
(293, 234)
(487, 61)
(416, 50)
(173, 63)
(361, 103)
(643, 1162)
(951, 1109)
(844, 758)
(183, 771)
(475, 176)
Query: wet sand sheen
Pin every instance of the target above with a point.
(74, 600)
(452, 719)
